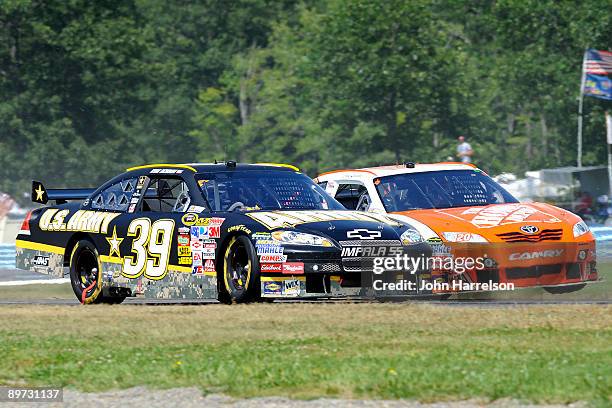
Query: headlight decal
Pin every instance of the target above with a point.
(300, 238)
(580, 228)
(411, 236)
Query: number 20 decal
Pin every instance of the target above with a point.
(151, 248)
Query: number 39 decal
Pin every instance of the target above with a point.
(151, 248)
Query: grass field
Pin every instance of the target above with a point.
(537, 353)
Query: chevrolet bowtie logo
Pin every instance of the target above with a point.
(362, 233)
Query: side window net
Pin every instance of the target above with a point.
(115, 197)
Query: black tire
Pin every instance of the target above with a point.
(85, 269)
(558, 290)
(241, 271)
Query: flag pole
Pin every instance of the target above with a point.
(580, 101)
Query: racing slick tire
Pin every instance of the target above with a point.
(85, 275)
(558, 290)
(241, 271)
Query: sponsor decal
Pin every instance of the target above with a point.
(503, 214)
(291, 287)
(529, 229)
(197, 258)
(183, 240)
(271, 267)
(206, 232)
(289, 219)
(166, 171)
(141, 182)
(209, 243)
(209, 266)
(40, 260)
(524, 256)
(269, 249)
(95, 222)
(236, 228)
(184, 251)
(273, 288)
(293, 268)
(362, 233)
(198, 270)
(189, 219)
(195, 209)
(134, 200)
(273, 258)
(132, 208)
(208, 253)
(196, 245)
(184, 260)
(184, 230)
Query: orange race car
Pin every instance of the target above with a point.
(464, 214)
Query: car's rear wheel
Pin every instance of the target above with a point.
(85, 275)
(558, 290)
(241, 270)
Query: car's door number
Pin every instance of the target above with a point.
(151, 248)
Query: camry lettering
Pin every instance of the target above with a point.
(524, 256)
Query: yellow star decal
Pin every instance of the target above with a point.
(114, 243)
(39, 193)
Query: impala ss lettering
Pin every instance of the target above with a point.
(524, 256)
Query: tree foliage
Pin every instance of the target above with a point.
(89, 88)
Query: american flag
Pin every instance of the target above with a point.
(598, 62)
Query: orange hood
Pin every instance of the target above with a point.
(491, 220)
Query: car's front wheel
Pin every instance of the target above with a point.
(241, 270)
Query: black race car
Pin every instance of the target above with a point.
(233, 232)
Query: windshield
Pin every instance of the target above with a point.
(440, 189)
(263, 190)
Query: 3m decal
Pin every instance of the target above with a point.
(95, 222)
(289, 219)
(151, 248)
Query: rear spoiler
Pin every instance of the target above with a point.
(61, 195)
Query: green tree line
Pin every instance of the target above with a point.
(88, 88)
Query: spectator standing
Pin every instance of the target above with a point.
(464, 150)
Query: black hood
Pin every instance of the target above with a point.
(338, 225)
